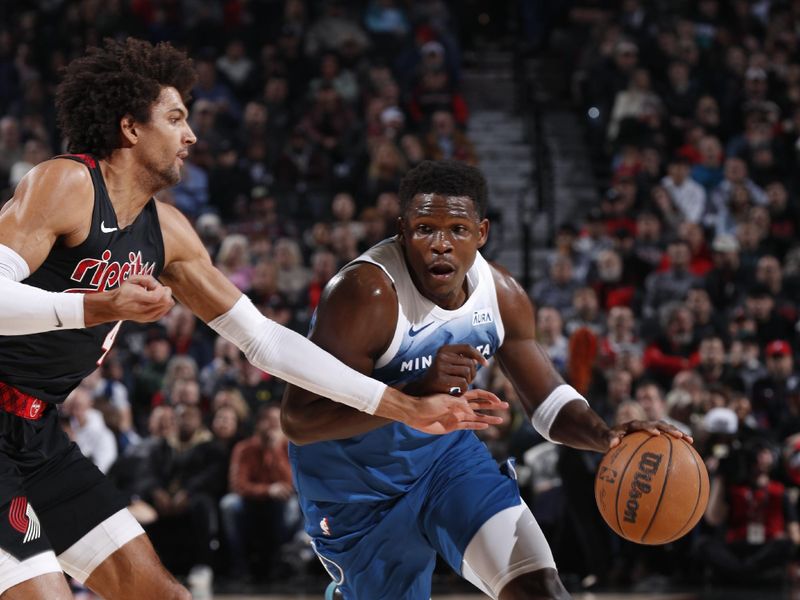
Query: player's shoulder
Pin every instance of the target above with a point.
(362, 279)
(506, 285)
(360, 285)
(181, 241)
(68, 177)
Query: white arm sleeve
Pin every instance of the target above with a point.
(290, 356)
(26, 309)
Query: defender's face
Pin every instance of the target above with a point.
(164, 140)
(441, 236)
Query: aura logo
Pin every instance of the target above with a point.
(482, 317)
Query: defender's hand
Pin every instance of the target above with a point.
(452, 371)
(615, 434)
(141, 298)
(443, 413)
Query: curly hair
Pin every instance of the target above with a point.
(446, 177)
(121, 78)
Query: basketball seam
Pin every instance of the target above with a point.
(619, 487)
(699, 491)
(663, 488)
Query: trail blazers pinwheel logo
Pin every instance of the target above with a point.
(23, 518)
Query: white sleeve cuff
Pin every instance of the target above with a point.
(545, 414)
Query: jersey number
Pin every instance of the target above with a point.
(109, 341)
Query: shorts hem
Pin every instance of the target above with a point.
(84, 556)
(30, 568)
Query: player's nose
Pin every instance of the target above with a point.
(189, 137)
(441, 243)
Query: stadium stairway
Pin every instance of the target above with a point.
(503, 126)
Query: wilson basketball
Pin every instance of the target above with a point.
(651, 489)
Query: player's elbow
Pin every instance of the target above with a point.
(295, 426)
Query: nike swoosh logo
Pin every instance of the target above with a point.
(58, 319)
(105, 229)
(412, 333)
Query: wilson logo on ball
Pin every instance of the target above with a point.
(648, 467)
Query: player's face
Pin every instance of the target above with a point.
(441, 235)
(163, 142)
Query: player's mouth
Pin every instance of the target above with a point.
(182, 156)
(441, 270)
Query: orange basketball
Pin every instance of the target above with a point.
(651, 489)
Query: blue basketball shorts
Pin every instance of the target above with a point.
(387, 550)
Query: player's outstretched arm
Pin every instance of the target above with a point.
(557, 410)
(208, 293)
(54, 201)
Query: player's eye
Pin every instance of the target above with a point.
(423, 229)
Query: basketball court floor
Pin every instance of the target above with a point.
(753, 594)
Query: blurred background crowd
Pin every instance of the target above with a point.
(672, 295)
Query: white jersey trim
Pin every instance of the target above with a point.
(388, 256)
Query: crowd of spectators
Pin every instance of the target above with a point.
(675, 296)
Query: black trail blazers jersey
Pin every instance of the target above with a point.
(50, 365)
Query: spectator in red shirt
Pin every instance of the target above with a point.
(260, 512)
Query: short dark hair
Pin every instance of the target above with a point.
(445, 177)
(112, 81)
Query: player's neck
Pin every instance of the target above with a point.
(127, 185)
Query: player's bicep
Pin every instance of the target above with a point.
(520, 356)
(356, 316)
(201, 287)
(188, 270)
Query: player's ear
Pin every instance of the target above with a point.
(483, 232)
(130, 135)
(400, 229)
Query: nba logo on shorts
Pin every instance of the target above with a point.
(24, 519)
(35, 408)
(325, 526)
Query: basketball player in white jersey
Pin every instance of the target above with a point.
(423, 311)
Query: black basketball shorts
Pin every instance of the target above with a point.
(51, 495)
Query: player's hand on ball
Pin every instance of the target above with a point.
(453, 368)
(141, 298)
(443, 413)
(615, 434)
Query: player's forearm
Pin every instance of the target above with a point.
(25, 309)
(290, 356)
(322, 420)
(578, 426)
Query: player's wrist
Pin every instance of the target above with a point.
(97, 308)
(395, 405)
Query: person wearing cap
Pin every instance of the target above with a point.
(687, 195)
(771, 393)
(725, 282)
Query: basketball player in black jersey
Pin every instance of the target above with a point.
(84, 246)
